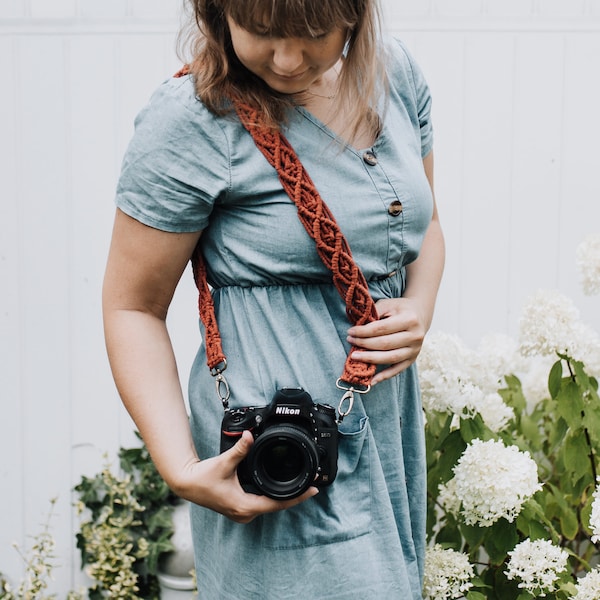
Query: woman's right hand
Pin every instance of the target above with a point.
(213, 483)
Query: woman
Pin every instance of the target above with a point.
(355, 108)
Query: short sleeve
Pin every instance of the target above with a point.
(407, 79)
(177, 163)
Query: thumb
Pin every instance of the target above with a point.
(241, 448)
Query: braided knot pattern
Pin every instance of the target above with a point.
(319, 222)
(206, 308)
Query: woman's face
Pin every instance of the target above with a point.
(287, 65)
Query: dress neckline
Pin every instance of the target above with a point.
(338, 139)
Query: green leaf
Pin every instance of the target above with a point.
(473, 535)
(512, 394)
(502, 538)
(555, 378)
(449, 536)
(475, 596)
(451, 450)
(570, 404)
(569, 525)
(575, 456)
(474, 428)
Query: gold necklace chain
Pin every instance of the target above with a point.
(330, 97)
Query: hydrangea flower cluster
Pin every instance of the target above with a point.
(588, 587)
(463, 382)
(493, 481)
(588, 264)
(537, 565)
(448, 574)
(595, 515)
(550, 323)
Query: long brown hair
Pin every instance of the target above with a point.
(219, 75)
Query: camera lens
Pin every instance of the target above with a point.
(283, 462)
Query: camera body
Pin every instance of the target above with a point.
(295, 444)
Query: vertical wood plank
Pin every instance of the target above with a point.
(95, 408)
(11, 321)
(486, 172)
(536, 156)
(580, 201)
(42, 169)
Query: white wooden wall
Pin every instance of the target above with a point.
(517, 115)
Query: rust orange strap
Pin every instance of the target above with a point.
(322, 227)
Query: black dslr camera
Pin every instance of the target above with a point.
(295, 444)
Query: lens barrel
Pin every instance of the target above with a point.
(283, 462)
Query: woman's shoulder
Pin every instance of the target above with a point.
(174, 112)
(401, 64)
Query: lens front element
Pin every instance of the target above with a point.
(283, 462)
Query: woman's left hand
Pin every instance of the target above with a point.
(394, 340)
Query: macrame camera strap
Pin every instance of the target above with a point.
(332, 248)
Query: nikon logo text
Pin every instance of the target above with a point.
(286, 410)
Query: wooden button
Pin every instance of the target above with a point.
(370, 158)
(395, 208)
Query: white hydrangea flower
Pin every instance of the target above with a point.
(550, 323)
(595, 515)
(448, 574)
(494, 481)
(537, 565)
(495, 357)
(447, 497)
(440, 379)
(588, 587)
(588, 264)
(463, 382)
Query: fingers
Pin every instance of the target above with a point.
(219, 489)
(395, 339)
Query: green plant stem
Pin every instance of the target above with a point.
(588, 440)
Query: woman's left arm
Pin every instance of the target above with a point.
(396, 339)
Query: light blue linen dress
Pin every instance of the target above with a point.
(283, 324)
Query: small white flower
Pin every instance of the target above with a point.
(537, 565)
(448, 574)
(447, 497)
(588, 264)
(595, 515)
(588, 587)
(494, 481)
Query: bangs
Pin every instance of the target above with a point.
(293, 18)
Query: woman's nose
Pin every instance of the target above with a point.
(288, 56)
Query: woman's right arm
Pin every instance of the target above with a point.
(143, 269)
